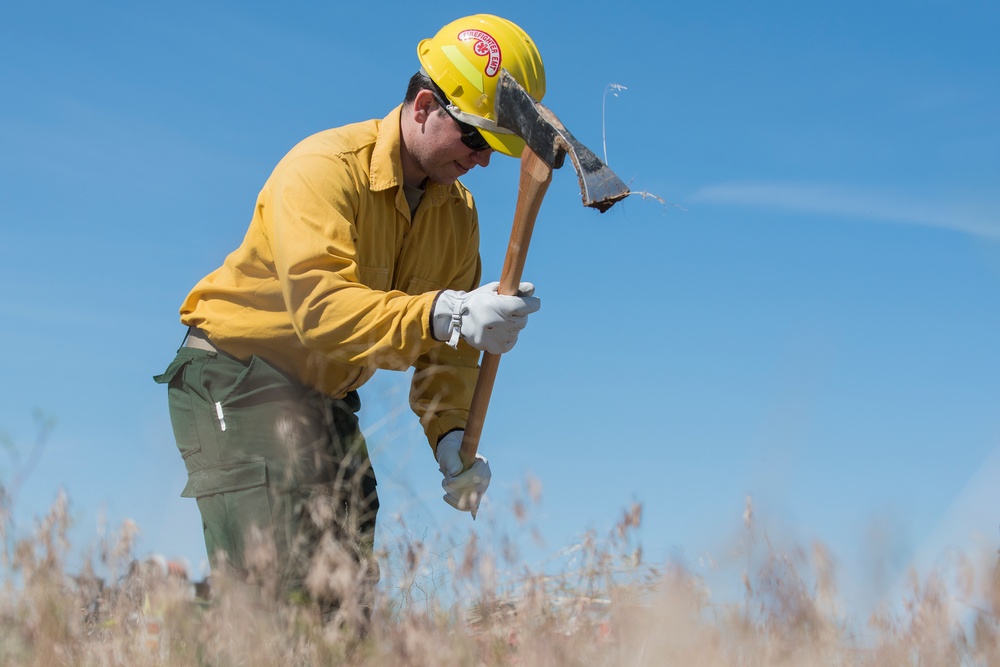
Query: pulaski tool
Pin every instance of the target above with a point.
(548, 143)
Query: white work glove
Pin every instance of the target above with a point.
(486, 320)
(463, 488)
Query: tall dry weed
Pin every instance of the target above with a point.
(597, 603)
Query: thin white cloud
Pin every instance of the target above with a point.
(964, 216)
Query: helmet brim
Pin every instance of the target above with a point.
(508, 144)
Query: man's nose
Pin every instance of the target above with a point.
(482, 158)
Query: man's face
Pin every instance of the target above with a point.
(438, 151)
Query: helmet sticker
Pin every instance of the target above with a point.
(484, 45)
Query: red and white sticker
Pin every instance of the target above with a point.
(486, 46)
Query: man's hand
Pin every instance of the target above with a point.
(485, 319)
(463, 488)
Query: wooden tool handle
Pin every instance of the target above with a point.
(534, 181)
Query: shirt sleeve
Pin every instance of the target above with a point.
(441, 390)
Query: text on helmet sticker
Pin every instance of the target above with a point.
(484, 45)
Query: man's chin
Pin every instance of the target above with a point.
(445, 179)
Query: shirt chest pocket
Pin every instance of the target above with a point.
(376, 278)
(422, 285)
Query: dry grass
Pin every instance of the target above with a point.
(602, 606)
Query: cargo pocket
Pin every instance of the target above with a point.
(226, 477)
(233, 499)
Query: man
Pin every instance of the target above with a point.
(362, 254)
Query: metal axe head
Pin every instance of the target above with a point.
(549, 139)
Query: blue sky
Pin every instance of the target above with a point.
(809, 318)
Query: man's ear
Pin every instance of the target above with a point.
(423, 104)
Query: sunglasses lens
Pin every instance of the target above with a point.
(470, 135)
(472, 138)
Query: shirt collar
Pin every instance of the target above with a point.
(387, 168)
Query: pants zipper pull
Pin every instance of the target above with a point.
(218, 413)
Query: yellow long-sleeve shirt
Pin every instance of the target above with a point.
(334, 280)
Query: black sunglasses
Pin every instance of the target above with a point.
(470, 135)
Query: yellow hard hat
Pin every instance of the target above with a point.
(465, 58)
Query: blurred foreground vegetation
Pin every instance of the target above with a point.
(605, 607)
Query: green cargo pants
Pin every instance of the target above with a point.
(278, 467)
